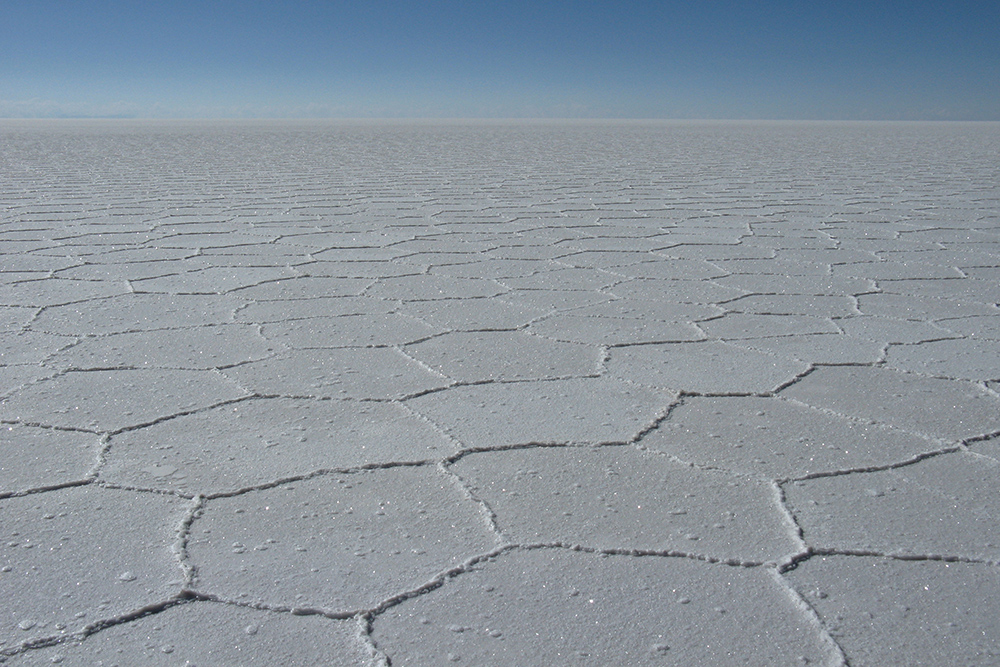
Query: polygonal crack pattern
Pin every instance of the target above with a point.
(728, 395)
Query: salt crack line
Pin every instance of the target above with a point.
(838, 657)
(92, 628)
(917, 458)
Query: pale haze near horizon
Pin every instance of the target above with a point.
(518, 59)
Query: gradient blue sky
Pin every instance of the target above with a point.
(771, 59)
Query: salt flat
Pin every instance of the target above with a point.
(499, 393)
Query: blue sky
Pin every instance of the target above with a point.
(771, 59)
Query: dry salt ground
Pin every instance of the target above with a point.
(499, 393)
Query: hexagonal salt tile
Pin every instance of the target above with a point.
(954, 491)
(706, 367)
(555, 606)
(213, 280)
(57, 291)
(336, 542)
(965, 358)
(337, 373)
(615, 498)
(137, 312)
(503, 355)
(609, 331)
(253, 442)
(208, 633)
(429, 288)
(739, 326)
(772, 438)
(108, 401)
(348, 330)
(940, 408)
(890, 612)
(198, 348)
(40, 457)
(75, 556)
(585, 410)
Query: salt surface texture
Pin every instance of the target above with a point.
(499, 393)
